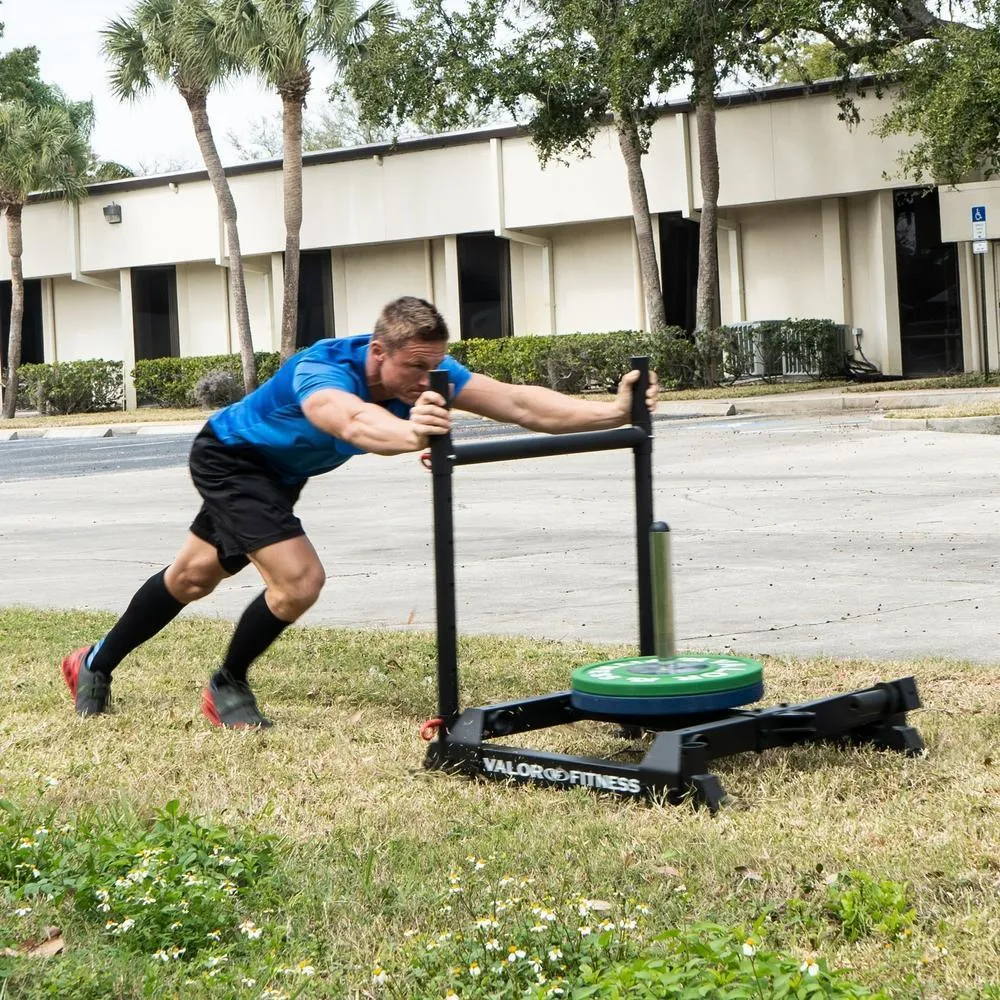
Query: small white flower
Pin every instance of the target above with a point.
(485, 923)
(22, 911)
(214, 935)
(251, 930)
(584, 931)
(479, 865)
(627, 925)
(41, 831)
(410, 933)
(809, 967)
(474, 970)
(749, 948)
(538, 929)
(25, 845)
(451, 995)
(379, 976)
(555, 954)
(305, 969)
(161, 955)
(492, 944)
(248, 982)
(124, 927)
(175, 952)
(51, 782)
(213, 960)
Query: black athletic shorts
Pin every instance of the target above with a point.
(246, 506)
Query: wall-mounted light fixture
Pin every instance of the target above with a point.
(173, 187)
(113, 213)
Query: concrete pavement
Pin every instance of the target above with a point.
(795, 535)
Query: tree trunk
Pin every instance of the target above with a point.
(14, 248)
(628, 141)
(197, 105)
(706, 309)
(291, 172)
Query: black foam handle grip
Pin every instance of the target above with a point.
(440, 384)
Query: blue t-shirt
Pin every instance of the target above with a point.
(271, 420)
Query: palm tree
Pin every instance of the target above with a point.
(277, 40)
(41, 149)
(178, 42)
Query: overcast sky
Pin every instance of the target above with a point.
(154, 132)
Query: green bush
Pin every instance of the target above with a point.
(771, 348)
(72, 386)
(171, 381)
(579, 361)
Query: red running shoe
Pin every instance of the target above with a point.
(90, 690)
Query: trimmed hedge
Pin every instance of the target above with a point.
(567, 362)
(72, 387)
(578, 361)
(171, 382)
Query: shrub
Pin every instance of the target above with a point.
(216, 388)
(73, 386)
(171, 382)
(772, 348)
(579, 361)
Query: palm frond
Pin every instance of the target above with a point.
(40, 150)
(124, 46)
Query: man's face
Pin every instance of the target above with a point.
(404, 372)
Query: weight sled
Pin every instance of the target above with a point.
(677, 763)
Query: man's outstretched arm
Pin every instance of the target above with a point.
(373, 428)
(539, 409)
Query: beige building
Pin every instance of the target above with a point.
(810, 228)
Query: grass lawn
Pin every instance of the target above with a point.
(319, 859)
(147, 414)
(972, 410)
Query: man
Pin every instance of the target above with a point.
(338, 398)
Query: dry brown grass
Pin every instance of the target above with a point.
(343, 767)
(145, 415)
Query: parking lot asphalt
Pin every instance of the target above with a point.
(792, 535)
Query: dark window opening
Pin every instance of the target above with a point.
(32, 344)
(930, 319)
(154, 313)
(679, 269)
(484, 285)
(315, 298)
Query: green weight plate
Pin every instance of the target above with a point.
(673, 676)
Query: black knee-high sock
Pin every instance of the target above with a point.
(255, 631)
(150, 610)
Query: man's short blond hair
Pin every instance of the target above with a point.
(406, 319)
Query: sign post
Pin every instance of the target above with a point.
(979, 245)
